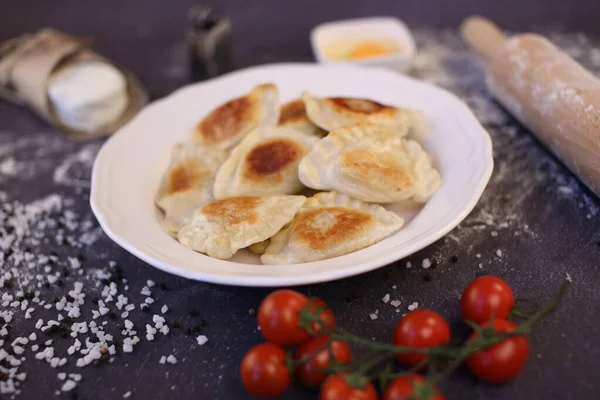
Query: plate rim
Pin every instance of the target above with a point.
(315, 277)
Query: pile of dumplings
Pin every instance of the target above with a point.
(241, 180)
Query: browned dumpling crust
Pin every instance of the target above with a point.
(226, 125)
(188, 182)
(222, 227)
(332, 113)
(264, 163)
(330, 224)
(293, 115)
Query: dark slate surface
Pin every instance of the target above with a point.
(549, 227)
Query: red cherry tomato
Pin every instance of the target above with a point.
(420, 329)
(503, 361)
(327, 316)
(279, 317)
(336, 387)
(309, 372)
(403, 388)
(486, 297)
(264, 372)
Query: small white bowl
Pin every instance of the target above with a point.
(364, 29)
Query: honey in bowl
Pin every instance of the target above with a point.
(361, 49)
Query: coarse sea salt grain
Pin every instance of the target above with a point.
(426, 263)
(68, 385)
(386, 298)
(201, 340)
(373, 316)
(499, 253)
(395, 303)
(413, 306)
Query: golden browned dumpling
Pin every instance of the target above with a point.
(336, 112)
(222, 227)
(264, 163)
(188, 182)
(370, 163)
(293, 115)
(225, 126)
(330, 225)
(260, 247)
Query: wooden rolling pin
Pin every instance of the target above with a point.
(548, 91)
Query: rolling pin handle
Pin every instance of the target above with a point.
(482, 35)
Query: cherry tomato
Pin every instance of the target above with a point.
(503, 361)
(486, 297)
(279, 317)
(336, 387)
(308, 372)
(327, 316)
(403, 388)
(420, 329)
(264, 372)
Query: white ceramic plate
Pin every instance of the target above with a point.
(128, 169)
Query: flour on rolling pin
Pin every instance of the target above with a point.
(555, 97)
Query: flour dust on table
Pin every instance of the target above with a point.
(68, 308)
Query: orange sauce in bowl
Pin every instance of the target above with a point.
(361, 49)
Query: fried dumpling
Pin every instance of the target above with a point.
(328, 225)
(332, 113)
(370, 163)
(226, 125)
(264, 163)
(222, 227)
(260, 247)
(188, 182)
(293, 115)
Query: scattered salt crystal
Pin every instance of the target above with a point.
(426, 263)
(202, 340)
(413, 306)
(171, 359)
(386, 298)
(162, 360)
(408, 264)
(395, 303)
(569, 277)
(127, 395)
(494, 233)
(68, 385)
(373, 316)
(164, 309)
(499, 253)
(478, 255)
(394, 287)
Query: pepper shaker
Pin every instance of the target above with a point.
(208, 38)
